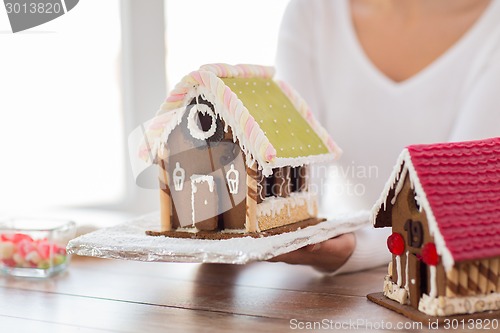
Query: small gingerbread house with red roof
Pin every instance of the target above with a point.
(443, 204)
(233, 146)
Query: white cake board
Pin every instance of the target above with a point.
(129, 241)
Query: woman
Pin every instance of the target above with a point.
(382, 74)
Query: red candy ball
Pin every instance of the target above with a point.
(429, 254)
(396, 243)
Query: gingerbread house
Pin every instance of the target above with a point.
(443, 204)
(233, 147)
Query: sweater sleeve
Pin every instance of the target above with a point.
(295, 54)
(370, 250)
(295, 64)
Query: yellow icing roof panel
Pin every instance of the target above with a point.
(289, 133)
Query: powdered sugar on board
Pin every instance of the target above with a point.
(129, 241)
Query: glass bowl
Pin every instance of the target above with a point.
(32, 247)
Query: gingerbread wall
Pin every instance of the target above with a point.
(477, 277)
(190, 156)
(407, 219)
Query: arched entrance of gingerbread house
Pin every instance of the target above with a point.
(418, 274)
(203, 202)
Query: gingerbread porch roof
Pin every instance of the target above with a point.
(271, 122)
(458, 186)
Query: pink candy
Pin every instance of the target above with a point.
(20, 250)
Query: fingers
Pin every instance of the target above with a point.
(342, 245)
(327, 256)
(313, 247)
(296, 257)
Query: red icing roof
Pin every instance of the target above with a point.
(462, 184)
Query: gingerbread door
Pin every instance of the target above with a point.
(204, 202)
(417, 271)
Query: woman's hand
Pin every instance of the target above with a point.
(326, 257)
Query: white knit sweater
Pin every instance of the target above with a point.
(371, 117)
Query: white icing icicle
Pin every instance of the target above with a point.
(406, 272)
(418, 201)
(196, 179)
(398, 270)
(422, 201)
(193, 191)
(400, 184)
(272, 206)
(433, 291)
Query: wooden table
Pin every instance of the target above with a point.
(97, 295)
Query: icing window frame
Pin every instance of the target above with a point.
(198, 127)
(198, 111)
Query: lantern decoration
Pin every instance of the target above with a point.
(429, 254)
(232, 177)
(178, 175)
(396, 243)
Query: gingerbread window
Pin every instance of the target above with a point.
(268, 186)
(203, 122)
(298, 179)
(413, 201)
(276, 185)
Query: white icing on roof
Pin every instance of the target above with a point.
(405, 167)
